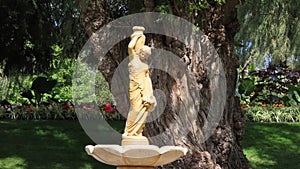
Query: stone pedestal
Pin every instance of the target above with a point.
(134, 140)
(135, 156)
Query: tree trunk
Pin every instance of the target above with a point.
(223, 149)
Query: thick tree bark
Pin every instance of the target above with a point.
(223, 149)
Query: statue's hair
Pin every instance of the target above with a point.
(146, 50)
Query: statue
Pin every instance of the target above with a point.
(141, 95)
(135, 151)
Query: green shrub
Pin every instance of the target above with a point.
(272, 114)
(272, 85)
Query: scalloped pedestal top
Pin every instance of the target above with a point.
(135, 155)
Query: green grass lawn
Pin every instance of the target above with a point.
(60, 145)
(46, 145)
(273, 145)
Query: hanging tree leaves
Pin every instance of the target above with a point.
(29, 29)
(270, 29)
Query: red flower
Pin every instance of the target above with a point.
(66, 106)
(107, 107)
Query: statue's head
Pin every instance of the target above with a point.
(145, 52)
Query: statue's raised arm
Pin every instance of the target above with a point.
(137, 41)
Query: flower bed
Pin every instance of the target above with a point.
(275, 113)
(56, 111)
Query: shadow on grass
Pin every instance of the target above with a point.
(273, 145)
(46, 145)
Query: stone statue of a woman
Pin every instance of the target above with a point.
(141, 95)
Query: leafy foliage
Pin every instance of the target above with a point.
(191, 6)
(56, 86)
(293, 97)
(29, 30)
(83, 83)
(42, 85)
(272, 114)
(269, 28)
(275, 84)
(61, 71)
